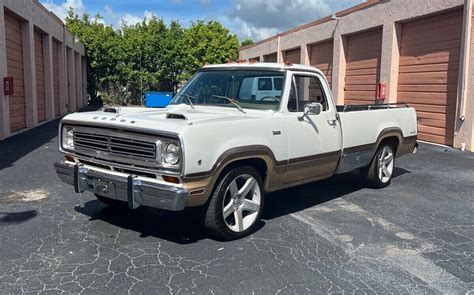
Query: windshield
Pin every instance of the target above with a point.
(247, 89)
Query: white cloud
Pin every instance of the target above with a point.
(116, 19)
(109, 16)
(61, 9)
(259, 19)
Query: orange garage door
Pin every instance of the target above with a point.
(321, 57)
(293, 56)
(57, 110)
(39, 66)
(270, 57)
(363, 67)
(429, 68)
(15, 69)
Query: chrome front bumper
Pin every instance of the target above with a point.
(132, 189)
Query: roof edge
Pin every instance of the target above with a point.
(325, 19)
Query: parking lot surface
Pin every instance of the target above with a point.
(333, 236)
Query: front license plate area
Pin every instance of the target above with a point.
(104, 188)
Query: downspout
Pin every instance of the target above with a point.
(466, 53)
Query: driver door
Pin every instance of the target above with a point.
(314, 140)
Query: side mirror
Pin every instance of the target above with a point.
(313, 108)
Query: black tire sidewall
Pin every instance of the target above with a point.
(370, 174)
(219, 228)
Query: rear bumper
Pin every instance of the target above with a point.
(134, 190)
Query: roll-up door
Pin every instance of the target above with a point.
(429, 69)
(293, 56)
(39, 67)
(363, 67)
(57, 104)
(321, 55)
(14, 50)
(270, 58)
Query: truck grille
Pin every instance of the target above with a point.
(115, 145)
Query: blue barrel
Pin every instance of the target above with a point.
(155, 99)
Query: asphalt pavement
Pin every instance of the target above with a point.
(332, 236)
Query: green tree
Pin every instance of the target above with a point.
(209, 42)
(102, 50)
(150, 55)
(246, 42)
(142, 48)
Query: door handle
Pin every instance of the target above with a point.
(332, 122)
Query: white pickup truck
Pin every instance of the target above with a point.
(219, 148)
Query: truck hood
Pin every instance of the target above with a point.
(170, 119)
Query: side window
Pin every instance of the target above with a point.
(265, 84)
(278, 82)
(305, 89)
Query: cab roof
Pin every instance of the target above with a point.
(265, 66)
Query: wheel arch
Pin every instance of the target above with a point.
(393, 136)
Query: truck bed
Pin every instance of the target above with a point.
(362, 125)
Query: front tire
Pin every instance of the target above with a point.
(236, 204)
(379, 173)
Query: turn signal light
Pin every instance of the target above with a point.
(69, 158)
(171, 179)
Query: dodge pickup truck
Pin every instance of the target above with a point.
(222, 146)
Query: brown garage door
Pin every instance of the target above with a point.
(293, 56)
(39, 66)
(270, 57)
(321, 57)
(57, 110)
(429, 68)
(363, 67)
(15, 69)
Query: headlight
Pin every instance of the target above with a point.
(171, 154)
(68, 138)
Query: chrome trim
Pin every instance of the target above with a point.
(123, 161)
(135, 190)
(113, 165)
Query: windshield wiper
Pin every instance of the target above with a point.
(188, 98)
(232, 101)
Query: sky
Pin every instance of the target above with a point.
(255, 19)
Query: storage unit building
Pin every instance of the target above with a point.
(32, 54)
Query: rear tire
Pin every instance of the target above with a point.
(379, 173)
(236, 205)
(111, 202)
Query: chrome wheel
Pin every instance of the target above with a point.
(241, 204)
(385, 164)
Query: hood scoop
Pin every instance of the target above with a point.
(177, 112)
(176, 116)
(114, 110)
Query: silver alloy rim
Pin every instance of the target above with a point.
(241, 203)
(385, 164)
